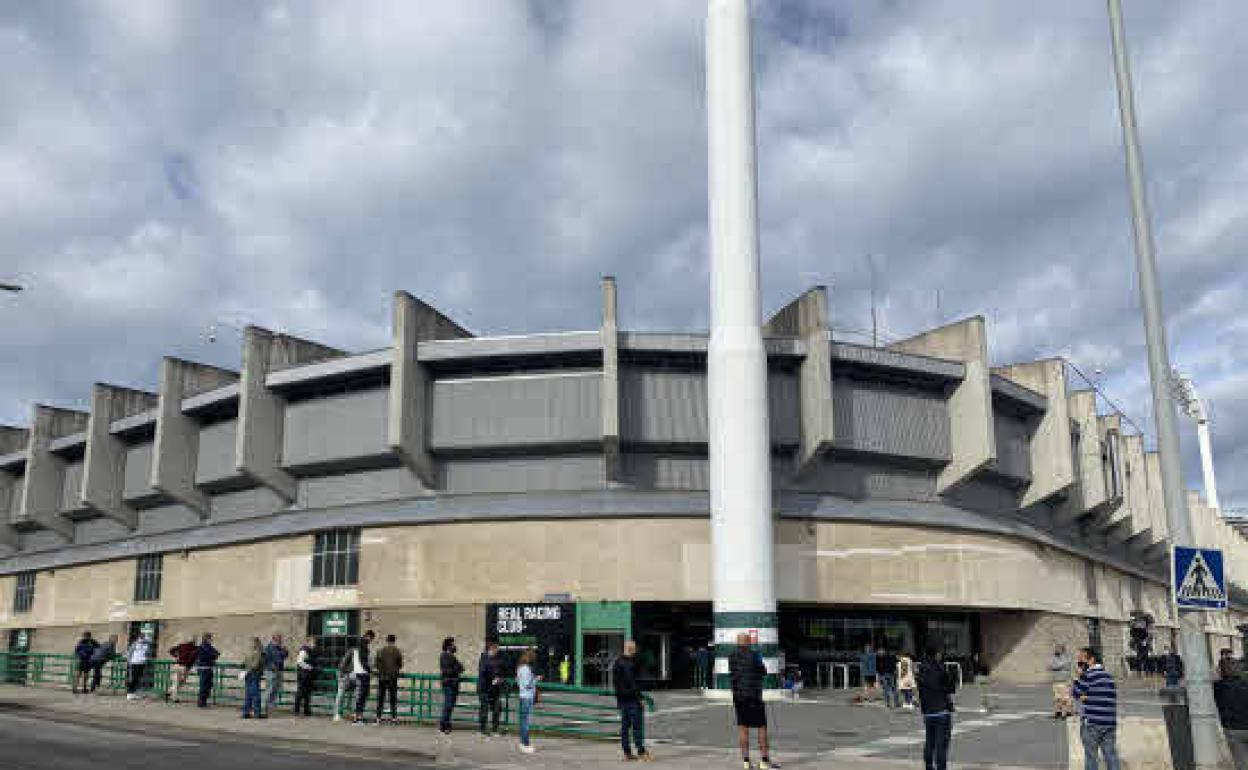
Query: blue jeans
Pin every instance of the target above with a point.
(632, 719)
(939, 734)
(450, 693)
(1172, 679)
(1099, 739)
(888, 682)
(274, 681)
(526, 713)
(251, 695)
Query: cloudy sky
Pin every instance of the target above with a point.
(164, 166)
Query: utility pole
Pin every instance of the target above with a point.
(1192, 644)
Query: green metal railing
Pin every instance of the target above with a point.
(561, 709)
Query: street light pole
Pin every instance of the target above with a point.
(1193, 647)
(1193, 407)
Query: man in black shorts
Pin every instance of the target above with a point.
(745, 666)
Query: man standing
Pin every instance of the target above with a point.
(450, 671)
(1095, 689)
(867, 668)
(936, 688)
(83, 652)
(205, 666)
(102, 656)
(274, 667)
(887, 665)
(1172, 668)
(138, 656)
(1059, 671)
(489, 689)
(628, 699)
(389, 666)
(747, 672)
(183, 655)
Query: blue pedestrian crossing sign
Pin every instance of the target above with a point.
(1199, 583)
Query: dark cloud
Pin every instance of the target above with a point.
(168, 166)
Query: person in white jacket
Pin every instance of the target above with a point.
(138, 656)
(905, 679)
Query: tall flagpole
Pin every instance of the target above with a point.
(742, 537)
(1192, 644)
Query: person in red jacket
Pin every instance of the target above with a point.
(183, 656)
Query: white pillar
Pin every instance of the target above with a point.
(1206, 465)
(741, 506)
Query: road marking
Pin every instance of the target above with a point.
(891, 743)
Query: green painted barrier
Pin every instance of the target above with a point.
(561, 709)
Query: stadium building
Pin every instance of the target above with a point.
(551, 489)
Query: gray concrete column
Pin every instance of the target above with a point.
(1113, 518)
(610, 397)
(175, 452)
(1138, 505)
(1052, 446)
(411, 387)
(12, 440)
(41, 494)
(1156, 494)
(104, 465)
(807, 319)
(972, 435)
(261, 412)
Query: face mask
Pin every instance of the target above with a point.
(1082, 666)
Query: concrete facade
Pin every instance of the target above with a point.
(914, 479)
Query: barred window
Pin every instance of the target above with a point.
(336, 558)
(24, 596)
(147, 578)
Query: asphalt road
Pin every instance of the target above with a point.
(40, 741)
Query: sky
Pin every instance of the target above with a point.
(165, 167)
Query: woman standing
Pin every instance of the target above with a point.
(527, 683)
(137, 656)
(905, 679)
(305, 673)
(253, 671)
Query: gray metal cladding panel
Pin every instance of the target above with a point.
(216, 452)
(247, 504)
(99, 530)
(138, 471)
(785, 408)
(524, 474)
(1013, 446)
(167, 518)
(663, 406)
(71, 486)
(336, 427)
(519, 410)
(364, 487)
(858, 480)
(890, 419)
(656, 471)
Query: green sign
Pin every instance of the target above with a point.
(606, 616)
(334, 624)
(21, 641)
(148, 629)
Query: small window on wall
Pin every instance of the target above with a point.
(147, 578)
(24, 595)
(336, 558)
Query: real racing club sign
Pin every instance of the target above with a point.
(542, 626)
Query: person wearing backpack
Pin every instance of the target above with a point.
(450, 670)
(102, 656)
(83, 652)
(205, 667)
(253, 673)
(936, 688)
(355, 669)
(184, 656)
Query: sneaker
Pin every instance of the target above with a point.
(768, 764)
(645, 756)
(629, 758)
(745, 765)
(527, 749)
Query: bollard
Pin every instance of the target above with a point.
(1178, 727)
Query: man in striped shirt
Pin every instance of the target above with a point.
(1098, 699)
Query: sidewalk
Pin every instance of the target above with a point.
(406, 744)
